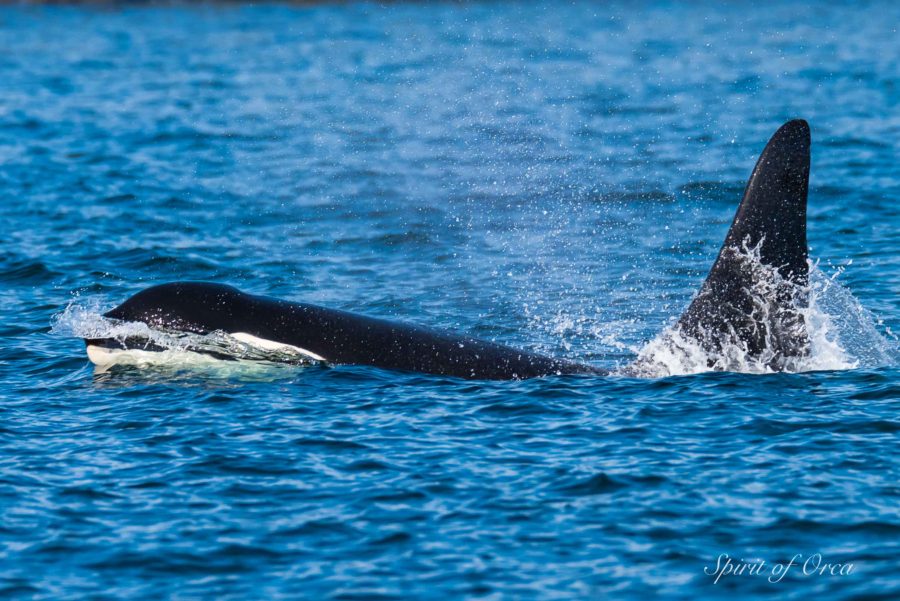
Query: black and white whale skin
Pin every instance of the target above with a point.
(771, 219)
(322, 334)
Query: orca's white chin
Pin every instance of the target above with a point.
(102, 356)
(105, 357)
(136, 351)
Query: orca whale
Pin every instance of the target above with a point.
(770, 224)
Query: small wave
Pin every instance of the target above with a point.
(24, 272)
(602, 483)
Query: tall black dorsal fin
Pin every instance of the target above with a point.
(734, 305)
(774, 203)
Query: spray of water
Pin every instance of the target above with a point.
(841, 333)
(84, 319)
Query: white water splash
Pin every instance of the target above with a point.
(842, 335)
(84, 319)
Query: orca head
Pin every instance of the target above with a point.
(197, 307)
(185, 307)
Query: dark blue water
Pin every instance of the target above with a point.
(554, 177)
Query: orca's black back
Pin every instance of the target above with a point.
(340, 337)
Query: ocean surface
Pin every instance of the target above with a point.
(557, 177)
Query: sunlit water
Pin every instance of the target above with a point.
(555, 178)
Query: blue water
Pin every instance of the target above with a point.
(556, 177)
